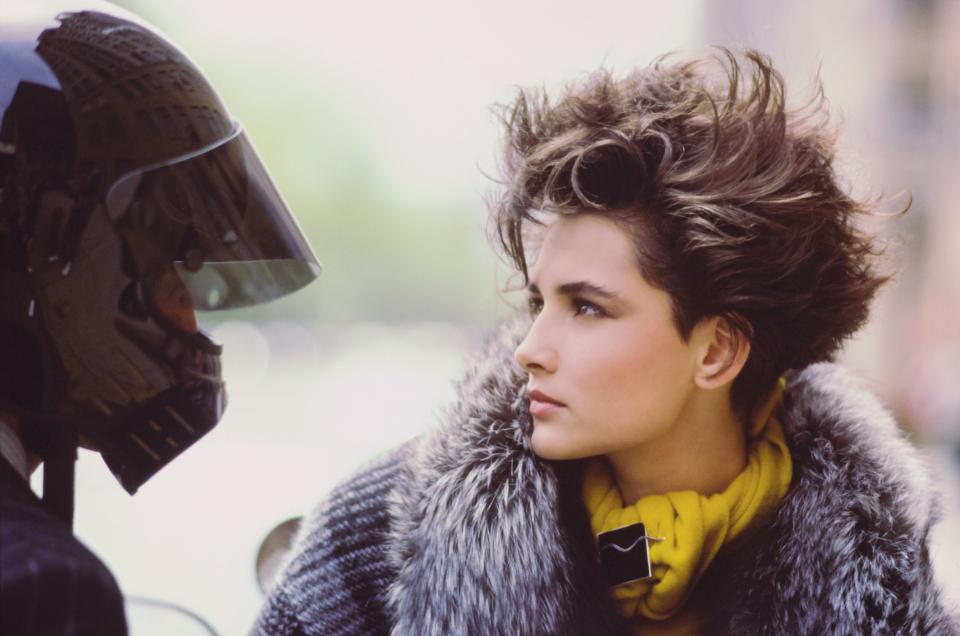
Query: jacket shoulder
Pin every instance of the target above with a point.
(338, 571)
(854, 524)
(49, 581)
(841, 435)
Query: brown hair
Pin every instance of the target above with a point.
(731, 199)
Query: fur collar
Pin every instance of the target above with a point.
(487, 538)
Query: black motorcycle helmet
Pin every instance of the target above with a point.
(128, 199)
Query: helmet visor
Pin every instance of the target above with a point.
(217, 213)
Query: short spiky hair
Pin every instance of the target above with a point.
(731, 199)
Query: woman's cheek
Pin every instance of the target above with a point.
(633, 381)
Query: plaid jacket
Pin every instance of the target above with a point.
(50, 584)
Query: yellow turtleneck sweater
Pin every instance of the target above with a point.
(694, 527)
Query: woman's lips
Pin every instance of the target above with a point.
(542, 404)
(542, 409)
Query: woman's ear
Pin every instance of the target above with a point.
(724, 351)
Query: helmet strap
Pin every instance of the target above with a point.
(55, 441)
(58, 487)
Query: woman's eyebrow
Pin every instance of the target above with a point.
(577, 288)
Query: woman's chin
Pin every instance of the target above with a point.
(548, 444)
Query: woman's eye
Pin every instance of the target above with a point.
(580, 308)
(585, 308)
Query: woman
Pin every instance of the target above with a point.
(662, 448)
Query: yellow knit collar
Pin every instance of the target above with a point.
(694, 527)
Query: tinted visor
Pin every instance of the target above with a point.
(232, 238)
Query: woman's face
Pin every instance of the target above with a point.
(603, 345)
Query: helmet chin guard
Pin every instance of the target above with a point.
(136, 444)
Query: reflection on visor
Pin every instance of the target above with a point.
(243, 283)
(217, 215)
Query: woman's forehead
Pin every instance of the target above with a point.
(577, 246)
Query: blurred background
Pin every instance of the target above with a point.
(376, 123)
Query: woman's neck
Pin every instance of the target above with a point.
(703, 451)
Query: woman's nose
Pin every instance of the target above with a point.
(535, 353)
